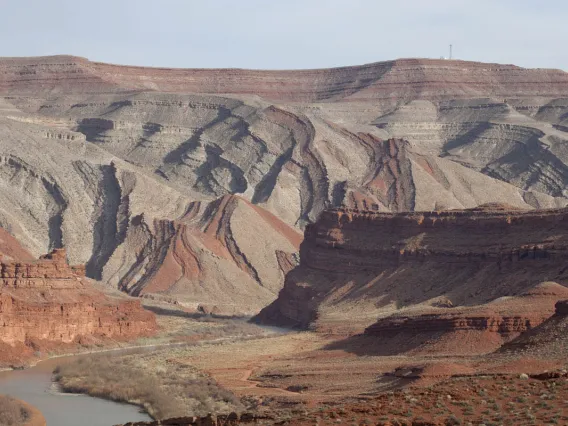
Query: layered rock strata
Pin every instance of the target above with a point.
(49, 303)
(227, 253)
(356, 265)
(479, 329)
(402, 78)
(126, 166)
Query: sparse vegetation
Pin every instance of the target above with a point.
(12, 412)
(178, 325)
(464, 401)
(163, 386)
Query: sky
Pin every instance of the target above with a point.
(286, 34)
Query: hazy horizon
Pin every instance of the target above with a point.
(294, 35)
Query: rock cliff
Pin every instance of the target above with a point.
(47, 303)
(479, 329)
(358, 265)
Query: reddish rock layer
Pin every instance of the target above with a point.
(480, 329)
(364, 262)
(203, 255)
(548, 340)
(395, 80)
(11, 249)
(48, 302)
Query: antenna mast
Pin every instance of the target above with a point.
(450, 51)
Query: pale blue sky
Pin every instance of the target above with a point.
(286, 33)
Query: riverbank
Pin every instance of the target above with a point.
(156, 381)
(179, 332)
(159, 382)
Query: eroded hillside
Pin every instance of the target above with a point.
(135, 170)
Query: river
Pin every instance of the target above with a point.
(34, 386)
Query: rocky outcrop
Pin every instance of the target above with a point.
(358, 264)
(479, 329)
(198, 258)
(454, 321)
(46, 303)
(51, 272)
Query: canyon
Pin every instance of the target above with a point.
(131, 168)
(410, 216)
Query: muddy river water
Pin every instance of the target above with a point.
(35, 386)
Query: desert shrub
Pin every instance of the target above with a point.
(12, 412)
(164, 389)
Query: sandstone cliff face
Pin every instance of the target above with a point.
(108, 160)
(49, 303)
(358, 265)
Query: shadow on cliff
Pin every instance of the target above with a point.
(356, 295)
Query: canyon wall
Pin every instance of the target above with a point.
(47, 303)
(356, 266)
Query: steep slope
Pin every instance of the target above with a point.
(47, 304)
(227, 253)
(11, 249)
(358, 265)
(111, 161)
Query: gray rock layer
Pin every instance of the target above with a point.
(130, 168)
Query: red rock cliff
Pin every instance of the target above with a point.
(48, 302)
(358, 265)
